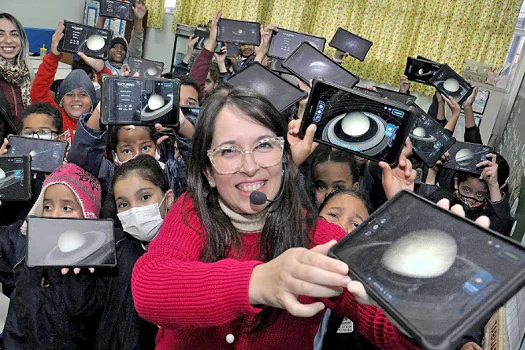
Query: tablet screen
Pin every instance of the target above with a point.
(280, 92)
(140, 101)
(308, 63)
(429, 139)
(46, 155)
(352, 44)
(284, 42)
(464, 156)
(94, 42)
(349, 120)
(67, 242)
(15, 178)
(451, 84)
(440, 276)
(420, 70)
(232, 31)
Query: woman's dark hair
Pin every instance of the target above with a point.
(348, 191)
(42, 108)
(144, 166)
(115, 131)
(286, 224)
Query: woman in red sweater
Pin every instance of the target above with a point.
(227, 273)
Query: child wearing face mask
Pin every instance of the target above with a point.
(46, 306)
(483, 194)
(140, 198)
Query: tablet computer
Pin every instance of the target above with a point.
(140, 101)
(93, 42)
(451, 84)
(439, 276)
(350, 43)
(232, 50)
(15, 178)
(420, 70)
(145, 68)
(465, 155)
(395, 95)
(281, 93)
(241, 32)
(356, 122)
(285, 41)
(116, 9)
(46, 155)
(429, 139)
(307, 63)
(204, 36)
(70, 242)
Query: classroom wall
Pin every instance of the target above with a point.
(44, 13)
(512, 147)
(158, 44)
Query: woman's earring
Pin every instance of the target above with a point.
(210, 181)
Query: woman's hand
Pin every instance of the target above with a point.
(298, 271)
(211, 44)
(301, 148)
(57, 36)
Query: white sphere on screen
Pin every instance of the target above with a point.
(95, 42)
(155, 102)
(464, 155)
(419, 131)
(355, 124)
(421, 71)
(421, 254)
(151, 71)
(71, 240)
(2, 174)
(451, 85)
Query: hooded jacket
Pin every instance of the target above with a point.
(134, 49)
(77, 79)
(48, 310)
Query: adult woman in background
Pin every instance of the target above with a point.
(16, 73)
(248, 273)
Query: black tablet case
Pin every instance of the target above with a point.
(15, 184)
(75, 40)
(350, 43)
(241, 32)
(281, 93)
(307, 63)
(145, 68)
(116, 9)
(437, 312)
(46, 155)
(467, 161)
(285, 41)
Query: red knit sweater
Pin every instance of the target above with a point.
(197, 305)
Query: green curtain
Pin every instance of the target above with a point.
(448, 31)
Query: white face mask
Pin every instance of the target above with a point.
(143, 223)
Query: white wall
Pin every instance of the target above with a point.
(158, 44)
(44, 13)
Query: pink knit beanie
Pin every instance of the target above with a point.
(84, 185)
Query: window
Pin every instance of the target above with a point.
(169, 6)
(515, 49)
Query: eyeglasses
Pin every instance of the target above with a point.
(46, 134)
(229, 159)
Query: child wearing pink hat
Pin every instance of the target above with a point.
(47, 309)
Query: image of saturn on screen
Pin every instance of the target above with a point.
(356, 122)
